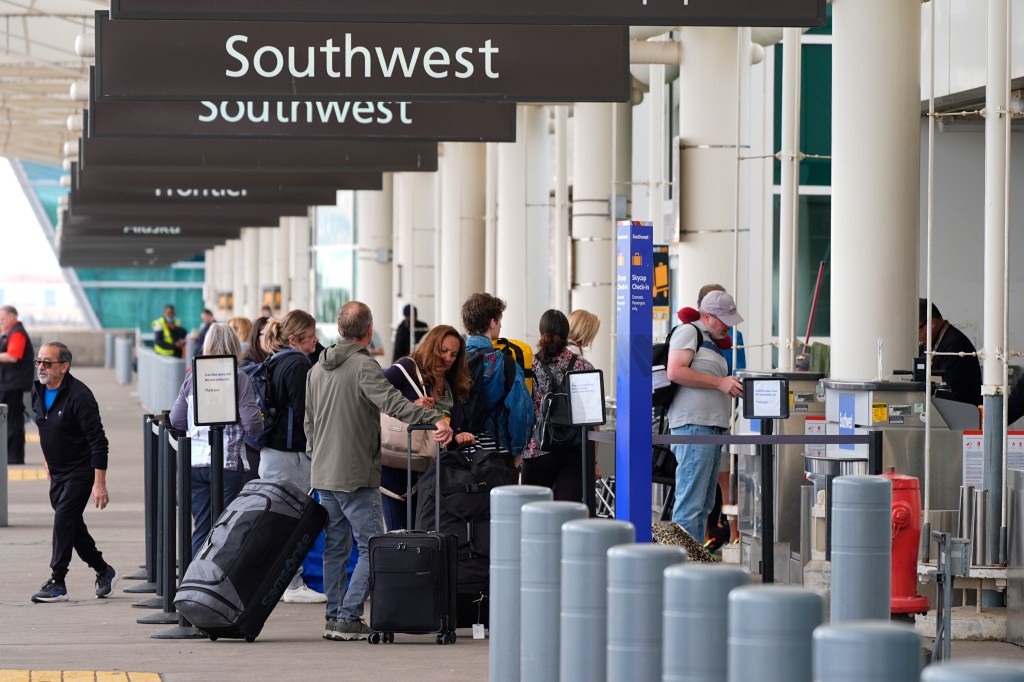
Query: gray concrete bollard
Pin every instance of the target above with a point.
(770, 628)
(541, 586)
(861, 548)
(974, 670)
(636, 586)
(506, 516)
(696, 621)
(108, 350)
(867, 650)
(584, 613)
(123, 361)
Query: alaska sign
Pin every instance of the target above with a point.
(229, 60)
(623, 12)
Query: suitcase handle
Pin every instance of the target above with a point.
(437, 478)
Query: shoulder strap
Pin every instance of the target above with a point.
(700, 337)
(416, 387)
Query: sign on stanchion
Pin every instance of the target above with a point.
(765, 399)
(586, 410)
(215, 404)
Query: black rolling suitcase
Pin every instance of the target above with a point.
(413, 581)
(248, 559)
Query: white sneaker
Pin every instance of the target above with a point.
(303, 595)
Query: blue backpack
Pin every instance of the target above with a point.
(259, 375)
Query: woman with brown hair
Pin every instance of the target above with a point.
(257, 349)
(558, 469)
(434, 376)
(283, 457)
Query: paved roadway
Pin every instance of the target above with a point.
(88, 634)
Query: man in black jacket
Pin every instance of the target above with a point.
(75, 453)
(15, 378)
(961, 373)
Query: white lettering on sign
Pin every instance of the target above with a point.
(363, 113)
(152, 229)
(436, 62)
(191, 193)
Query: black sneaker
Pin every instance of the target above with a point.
(52, 590)
(105, 582)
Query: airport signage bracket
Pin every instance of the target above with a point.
(584, 12)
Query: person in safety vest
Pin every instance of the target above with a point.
(168, 334)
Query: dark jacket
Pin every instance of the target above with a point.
(961, 374)
(398, 380)
(288, 370)
(401, 346)
(17, 376)
(70, 432)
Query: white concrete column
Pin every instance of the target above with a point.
(521, 234)
(996, 103)
(460, 263)
(876, 186)
(250, 269)
(265, 267)
(374, 218)
(414, 236)
(708, 110)
(237, 288)
(593, 226)
(281, 259)
(789, 201)
(558, 241)
(209, 285)
(301, 263)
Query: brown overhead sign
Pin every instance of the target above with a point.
(627, 12)
(169, 196)
(228, 60)
(265, 154)
(108, 177)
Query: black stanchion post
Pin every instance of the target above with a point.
(167, 536)
(875, 454)
(147, 463)
(767, 506)
(589, 472)
(216, 472)
(184, 629)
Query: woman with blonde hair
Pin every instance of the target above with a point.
(243, 329)
(583, 326)
(283, 458)
(220, 340)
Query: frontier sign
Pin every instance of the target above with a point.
(623, 12)
(224, 60)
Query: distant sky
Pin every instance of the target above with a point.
(25, 249)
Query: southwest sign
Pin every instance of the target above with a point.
(108, 177)
(337, 118)
(228, 60)
(398, 155)
(625, 12)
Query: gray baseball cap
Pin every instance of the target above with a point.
(723, 306)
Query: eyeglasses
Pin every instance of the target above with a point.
(47, 363)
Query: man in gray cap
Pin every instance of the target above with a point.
(701, 407)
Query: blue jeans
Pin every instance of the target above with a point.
(696, 479)
(201, 500)
(357, 513)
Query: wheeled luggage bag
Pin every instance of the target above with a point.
(249, 558)
(413, 579)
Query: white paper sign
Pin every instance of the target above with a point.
(974, 459)
(215, 390)
(586, 397)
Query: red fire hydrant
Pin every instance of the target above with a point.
(906, 539)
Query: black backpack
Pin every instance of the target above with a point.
(553, 429)
(662, 397)
(475, 408)
(259, 375)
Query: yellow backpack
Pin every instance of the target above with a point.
(523, 355)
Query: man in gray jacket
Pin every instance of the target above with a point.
(345, 394)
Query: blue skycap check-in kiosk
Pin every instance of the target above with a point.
(634, 319)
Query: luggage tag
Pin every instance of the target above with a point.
(478, 628)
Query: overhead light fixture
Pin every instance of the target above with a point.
(65, 181)
(71, 148)
(85, 45)
(76, 123)
(80, 91)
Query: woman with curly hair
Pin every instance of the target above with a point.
(437, 367)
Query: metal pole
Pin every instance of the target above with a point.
(839, 653)
(767, 506)
(216, 472)
(147, 471)
(3, 465)
(167, 533)
(861, 548)
(770, 629)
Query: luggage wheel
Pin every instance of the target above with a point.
(379, 637)
(250, 639)
(446, 638)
